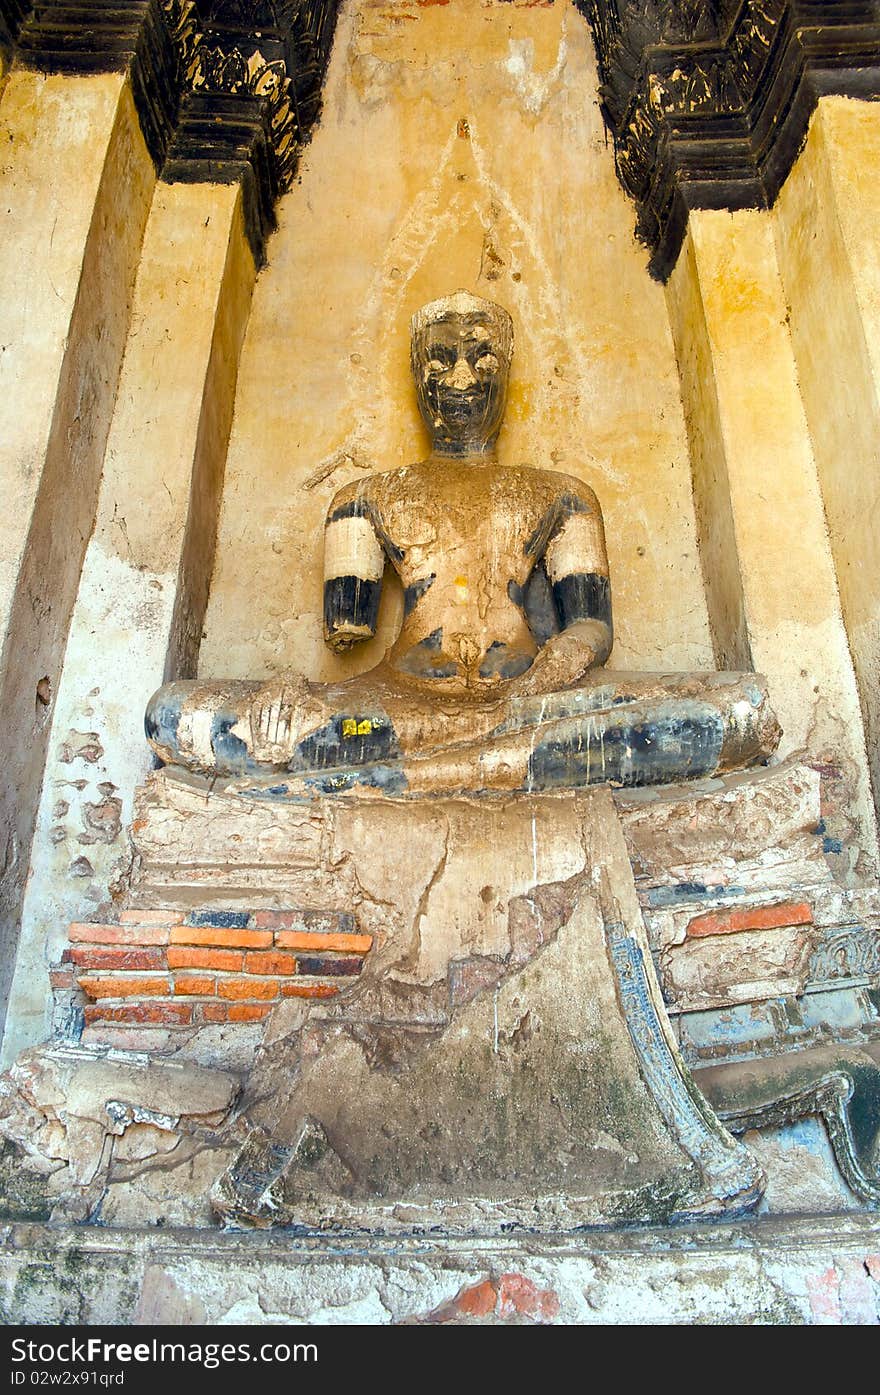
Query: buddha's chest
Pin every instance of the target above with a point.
(479, 529)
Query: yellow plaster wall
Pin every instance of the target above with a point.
(460, 145)
(715, 522)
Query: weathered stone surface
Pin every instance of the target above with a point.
(736, 830)
(481, 871)
(840, 1083)
(80, 1117)
(800, 1271)
(738, 968)
(547, 1094)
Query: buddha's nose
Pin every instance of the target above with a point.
(462, 376)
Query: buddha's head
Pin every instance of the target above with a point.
(460, 352)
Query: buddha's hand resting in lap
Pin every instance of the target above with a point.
(282, 713)
(565, 659)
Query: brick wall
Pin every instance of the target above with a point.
(169, 969)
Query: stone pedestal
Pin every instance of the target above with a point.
(503, 1057)
(446, 1013)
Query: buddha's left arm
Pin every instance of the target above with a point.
(576, 561)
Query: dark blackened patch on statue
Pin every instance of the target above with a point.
(350, 601)
(675, 746)
(500, 661)
(413, 593)
(230, 752)
(388, 778)
(365, 508)
(347, 741)
(538, 605)
(162, 719)
(583, 596)
(420, 660)
(561, 509)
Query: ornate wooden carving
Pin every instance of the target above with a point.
(708, 103)
(226, 90)
(12, 12)
(252, 78)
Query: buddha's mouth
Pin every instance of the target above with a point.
(462, 406)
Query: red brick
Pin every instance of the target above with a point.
(167, 1014)
(269, 961)
(212, 1012)
(248, 1012)
(150, 917)
(62, 978)
(195, 984)
(118, 957)
(520, 1297)
(205, 959)
(308, 990)
(112, 986)
(732, 922)
(213, 935)
(476, 1301)
(248, 987)
(117, 934)
(823, 1291)
(294, 939)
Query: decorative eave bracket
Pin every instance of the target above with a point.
(708, 101)
(226, 90)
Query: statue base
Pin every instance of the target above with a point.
(502, 1059)
(446, 1011)
(801, 1270)
(542, 1090)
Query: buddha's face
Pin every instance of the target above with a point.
(461, 364)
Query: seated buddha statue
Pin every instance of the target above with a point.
(497, 679)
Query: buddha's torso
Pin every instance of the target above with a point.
(464, 539)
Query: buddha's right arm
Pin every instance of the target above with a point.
(354, 561)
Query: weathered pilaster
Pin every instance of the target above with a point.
(825, 222)
(768, 562)
(76, 185)
(248, 100)
(102, 95)
(144, 585)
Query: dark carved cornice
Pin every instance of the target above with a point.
(252, 79)
(96, 36)
(12, 12)
(708, 103)
(226, 90)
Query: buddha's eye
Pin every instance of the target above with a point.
(439, 358)
(487, 363)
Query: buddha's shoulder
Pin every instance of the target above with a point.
(374, 489)
(556, 487)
